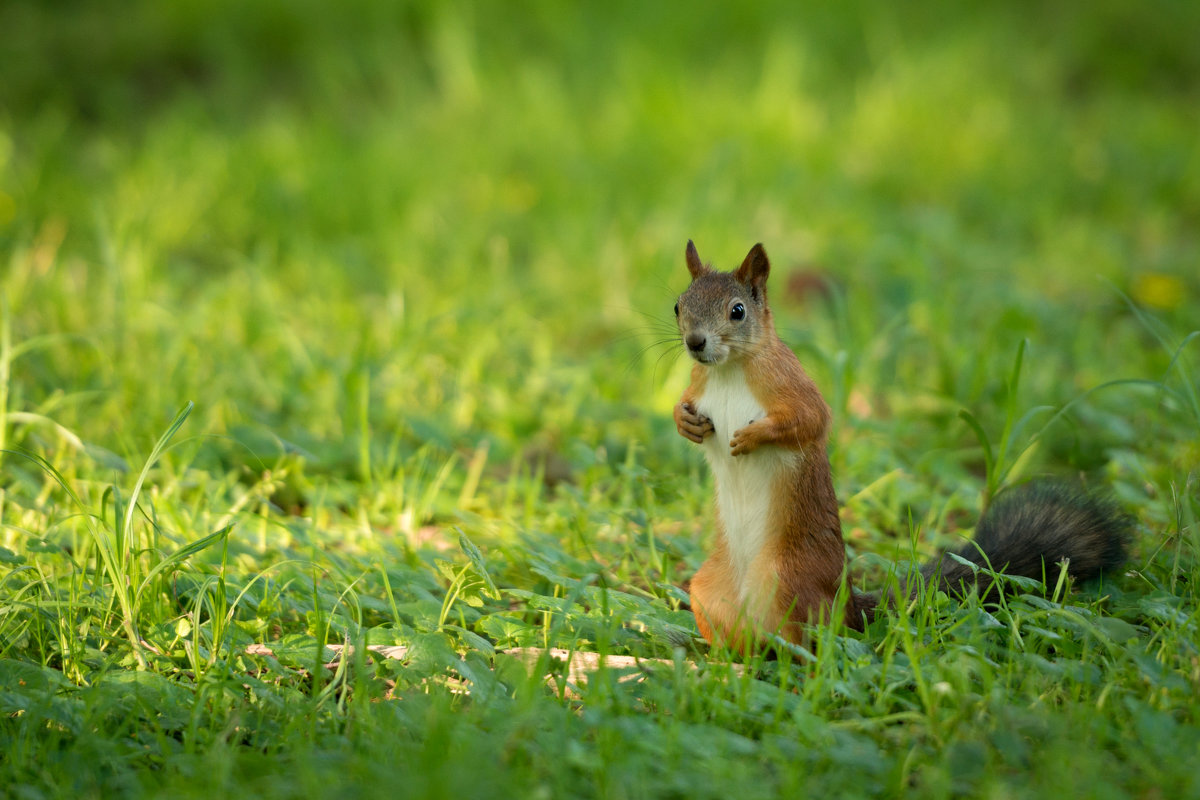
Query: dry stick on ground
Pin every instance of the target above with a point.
(579, 664)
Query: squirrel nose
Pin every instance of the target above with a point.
(695, 341)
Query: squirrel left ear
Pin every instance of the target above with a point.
(694, 264)
(754, 269)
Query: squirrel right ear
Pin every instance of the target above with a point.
(754, 269)
(694, 264)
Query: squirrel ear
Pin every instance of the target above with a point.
(694, 264)
(754, 269)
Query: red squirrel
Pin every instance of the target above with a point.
(779, 560)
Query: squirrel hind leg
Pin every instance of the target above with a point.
(861, 609)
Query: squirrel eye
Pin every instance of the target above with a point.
(737, 312)
(677, 309)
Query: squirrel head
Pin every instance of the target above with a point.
(724, 316)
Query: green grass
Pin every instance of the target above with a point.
(326, 328)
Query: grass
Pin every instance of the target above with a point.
(351, 328)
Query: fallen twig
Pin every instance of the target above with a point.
(580, 664)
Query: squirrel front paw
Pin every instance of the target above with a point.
(746, 440)
(691, 424)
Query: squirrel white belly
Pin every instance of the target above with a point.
(742, 504)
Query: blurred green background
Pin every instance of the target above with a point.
(463, 210)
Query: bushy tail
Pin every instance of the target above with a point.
(1027, 531)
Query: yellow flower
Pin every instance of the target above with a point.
(1157, 290)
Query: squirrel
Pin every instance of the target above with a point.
(779, 560)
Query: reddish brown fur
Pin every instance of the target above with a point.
(801, 565)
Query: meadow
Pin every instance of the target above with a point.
(337, 367)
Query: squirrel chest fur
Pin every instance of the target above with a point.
(742, 505)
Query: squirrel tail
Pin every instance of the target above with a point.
(1026, 531)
